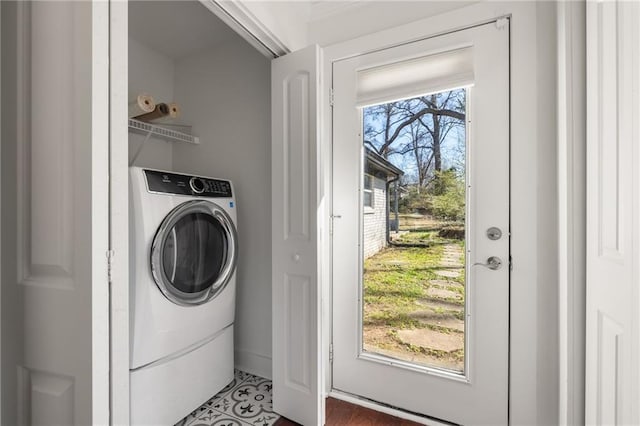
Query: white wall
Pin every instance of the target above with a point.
(225, 93)
(339, 21)
(153, 73)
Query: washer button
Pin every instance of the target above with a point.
(196, 185)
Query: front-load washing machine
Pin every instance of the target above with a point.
(183, 250)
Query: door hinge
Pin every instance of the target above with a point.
(510, 263)
(110, 254)
(331, 97)
(331, 353)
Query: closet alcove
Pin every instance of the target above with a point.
(179, 51)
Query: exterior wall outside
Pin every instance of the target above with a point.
(374, 226)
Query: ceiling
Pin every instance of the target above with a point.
(176, 28)
(321, 9)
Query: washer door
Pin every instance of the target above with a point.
(194, 252)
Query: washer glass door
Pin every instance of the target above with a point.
(193, 254)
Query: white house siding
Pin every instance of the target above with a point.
(375, 221)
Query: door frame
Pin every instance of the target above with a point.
(533, 219)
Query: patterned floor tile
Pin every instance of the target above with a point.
(246, 401)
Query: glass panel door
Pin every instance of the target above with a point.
(420, 244)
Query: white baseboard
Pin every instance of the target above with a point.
(353, 399)
(253, 363)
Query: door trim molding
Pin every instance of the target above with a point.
(1, 203)
(119, 212)
(100, 215)
(238, 16)
(572, 209)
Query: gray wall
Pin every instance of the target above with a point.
(225, 93)
(153, 73)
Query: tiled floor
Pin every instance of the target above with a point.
(244, 401)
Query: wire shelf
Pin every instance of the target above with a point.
(163, 132)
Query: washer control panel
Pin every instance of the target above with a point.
(172, 183)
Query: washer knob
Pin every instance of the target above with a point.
(197, 185)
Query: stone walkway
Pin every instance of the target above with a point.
(443, 311)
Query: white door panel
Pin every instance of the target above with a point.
(479, 394)
(296, 200)
(55, 230)
(613, 233)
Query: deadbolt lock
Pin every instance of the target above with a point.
(494, 233)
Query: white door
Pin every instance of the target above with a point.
(613, 230)
(296, 205)
(55, 291)
(421, 315)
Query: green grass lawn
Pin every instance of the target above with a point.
(396, 284)
(394, 280)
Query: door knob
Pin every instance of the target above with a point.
(494, 263)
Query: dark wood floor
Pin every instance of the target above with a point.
(343, 413)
